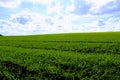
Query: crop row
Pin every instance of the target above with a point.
(74, 46)
(19, 63)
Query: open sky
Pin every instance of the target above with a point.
(23, 17)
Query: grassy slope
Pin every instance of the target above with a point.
(61, 56)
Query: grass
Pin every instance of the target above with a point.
(74, 56)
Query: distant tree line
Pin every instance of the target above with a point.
(1, 35)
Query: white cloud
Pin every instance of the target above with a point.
(61, 25)
(10, 3)
(70, 8)
(97, 4)
(29, 22)
(54, 7)
(46, 2)
(108, 26)
(37, 23)
(93, 7)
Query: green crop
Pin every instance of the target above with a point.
(74, 56)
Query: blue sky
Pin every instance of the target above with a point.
(23, 17)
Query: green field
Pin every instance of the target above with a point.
(70, 56)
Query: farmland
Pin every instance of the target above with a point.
(70, 56)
